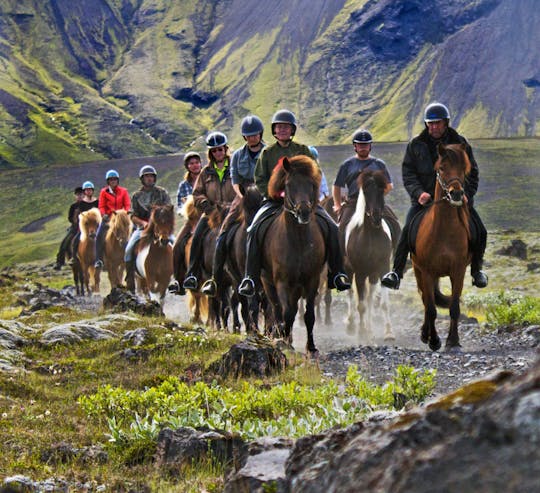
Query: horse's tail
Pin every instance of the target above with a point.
(441, 300)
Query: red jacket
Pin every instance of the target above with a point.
(109, 202)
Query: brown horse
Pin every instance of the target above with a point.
(154, 262)
(368, 248)
(293, 252)
(86, 252)
(442, 244)
(115, 244)
(197, 302)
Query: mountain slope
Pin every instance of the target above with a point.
(123, 78)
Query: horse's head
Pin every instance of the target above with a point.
(89, 222)
(251, 202)
(452, 167)
(120, 226)
(162, 223)
(300, 177)
(373, 184)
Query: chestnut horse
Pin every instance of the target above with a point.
(83, 268)
(368, 248)
(115, 244)
(442, 244)
(293, 251)
(154, 262)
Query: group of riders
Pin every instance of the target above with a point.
(220, 185)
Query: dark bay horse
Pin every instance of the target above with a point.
(293, 252)
(368, 248)
(442, 244)
(115, 244)
(83, 267)
(154, 261)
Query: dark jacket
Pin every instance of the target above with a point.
(420, 157)
(209, 191)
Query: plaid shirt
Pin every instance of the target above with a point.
(185, 189)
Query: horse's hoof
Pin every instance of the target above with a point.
(453, 348)
(435, 343)
(389, 339)
(424, 338)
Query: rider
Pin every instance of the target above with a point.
(192, 163)
(212, 190)
(88, 202)
(283, 128)
(347, 177)
(419, 180)
(112, 198)
(323, 189)
(242, 170)
(141, 207)
(73, 218)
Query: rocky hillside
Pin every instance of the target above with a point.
(123, 78)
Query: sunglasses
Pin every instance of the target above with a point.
(218, 149)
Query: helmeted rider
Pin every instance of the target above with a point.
(142, 201)
(112, 198)
(323, 189)
(419, 179)
(193, 165)
(347, 178)
(284, 127)
(213, 190)
(242, 175)
(73, 218)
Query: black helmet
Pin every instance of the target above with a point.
(216, 139)
(189, 155)
(284, 116)
(362, 136)
(147, 170)
(252, 125)
(435, 112)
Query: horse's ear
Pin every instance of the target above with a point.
(286, 164)
(441, 149)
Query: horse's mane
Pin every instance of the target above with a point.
(251, 203)
(162, 215)
(456, 154)
(92, 215)
(298, 165)
(379, 177)
(189, 212)
(120, 222)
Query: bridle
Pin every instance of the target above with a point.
(445, 186)
(292, 207)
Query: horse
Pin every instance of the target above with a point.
(368, 248)
(83, 268)
(115, 244)
(236, 255)
(154, 255)
(197, 302)
(442, 244)
(293, 252)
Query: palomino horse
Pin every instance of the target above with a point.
(368, 248)
(197, 302)
(88, 224)
(154, 262)
(293, 251)
(442, 244)
(115, 244)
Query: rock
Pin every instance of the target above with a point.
(137, 337)
(75, 332)
(186, 446)
(517, 248)
(9, 340)
(255, 356)
(122, 300)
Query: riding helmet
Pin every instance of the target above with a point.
(435, 112)
(88, 184)
(189, 155)
(252, 125)
(284, 116)
(112, 173)
(362, 136)
(314, 152)
(147, 170)
(216, 139)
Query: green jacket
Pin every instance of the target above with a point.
(269, 157)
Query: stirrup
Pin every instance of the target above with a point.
(247, 287)
(98, 264)
(209, 288)
(391, 280)
(341, 282)
(190, 283)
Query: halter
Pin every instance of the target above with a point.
(445, 185)
(292, 207)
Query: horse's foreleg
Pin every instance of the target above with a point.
(309, 320)
(385, 308)
(350, 319)
(361, 306)
(327, 306)
(452, 341)
(429, 332)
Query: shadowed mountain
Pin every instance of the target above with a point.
(124, 78)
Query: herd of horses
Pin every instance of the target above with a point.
(294, 254)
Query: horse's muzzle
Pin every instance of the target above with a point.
(92, 235)
(455, 197)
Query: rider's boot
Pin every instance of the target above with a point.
(209, 288)
(130, 275)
